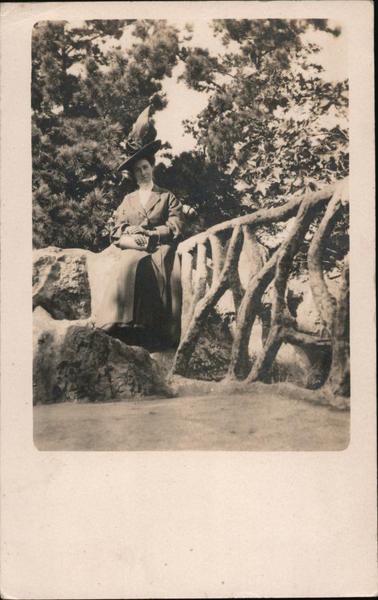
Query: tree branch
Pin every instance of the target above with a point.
(248, 311)
(217, 255)
(262, 216)
(201, 278)
(338, 381)
(201, 310)
(323, 299)
(301, 338)
(187, 288)
(286, 253)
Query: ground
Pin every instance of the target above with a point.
(212, 417)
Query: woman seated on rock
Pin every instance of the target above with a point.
(141, 302)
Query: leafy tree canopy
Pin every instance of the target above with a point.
(272, 125)
(271, 120)
(85, 99)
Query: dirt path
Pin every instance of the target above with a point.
(266, 418)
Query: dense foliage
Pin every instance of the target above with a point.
(202, 185)
(85, 99)
(271, 121)
(272, 126)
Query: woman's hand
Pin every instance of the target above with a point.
(127, 241)
(141, 240)
(133, 229)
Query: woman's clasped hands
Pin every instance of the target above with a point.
(140, 235)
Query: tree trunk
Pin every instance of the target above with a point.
(324, 301)
(288, 249)
(248, 311)
(236, 287)
(338, 382)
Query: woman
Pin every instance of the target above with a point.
(141, 303)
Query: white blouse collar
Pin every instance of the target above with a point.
(145, 192)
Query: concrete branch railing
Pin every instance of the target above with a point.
(209, 267)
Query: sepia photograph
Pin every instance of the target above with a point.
(188, 366)
(190, 234)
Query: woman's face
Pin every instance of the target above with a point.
(143, 172)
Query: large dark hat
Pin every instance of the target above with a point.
(139, 143)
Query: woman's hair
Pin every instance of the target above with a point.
(149, 157)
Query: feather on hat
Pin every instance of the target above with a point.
(136, 146)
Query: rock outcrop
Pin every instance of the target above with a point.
(74, 361)
(60, 283)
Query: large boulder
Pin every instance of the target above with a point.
(74, 361)
(305, 312)
(61, 284)
(69, 283)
